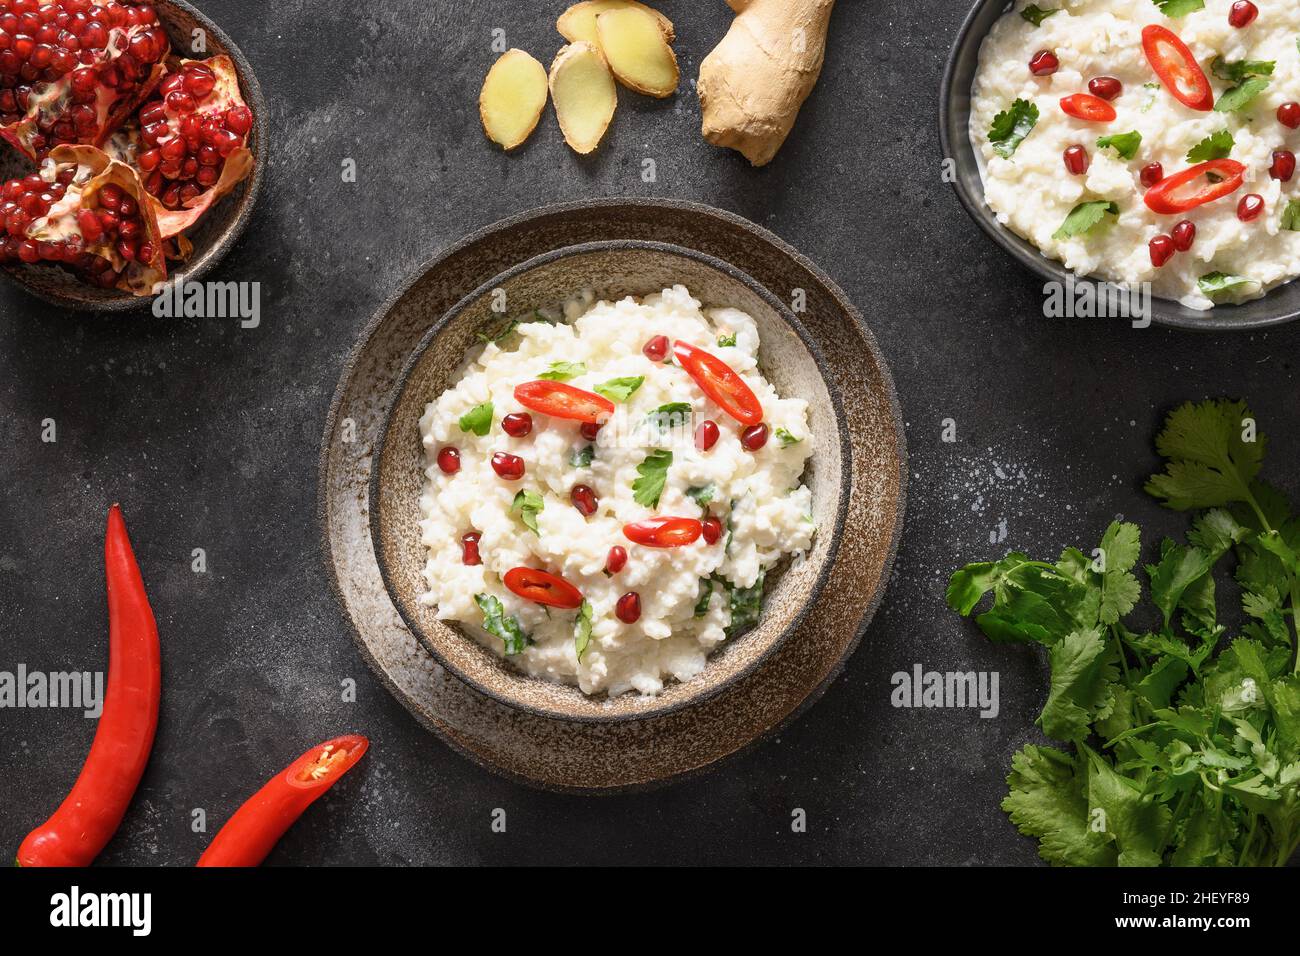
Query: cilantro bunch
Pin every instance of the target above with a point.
(1185, 727)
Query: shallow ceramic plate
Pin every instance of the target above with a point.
(584, 756)
(214, 234)
(610, 270)
(1280, 306)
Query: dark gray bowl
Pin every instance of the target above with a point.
(1278, 307)
(214, 234)
(788, 356)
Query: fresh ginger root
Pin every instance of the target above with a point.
(637, 51)
(512, 99)
(754, 82)
(582, 89)
(579, 21)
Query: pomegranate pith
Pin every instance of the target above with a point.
(509, 467)
(628, 608)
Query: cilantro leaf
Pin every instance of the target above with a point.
(582, 629)
(620, 389)
(1179, 8)
(1036, 14)
(1084, 217)
(1241, 96)
(1010, 127)
(1120, 589)
(787, 439)
(1215, 146)
(746, 607)
(1209, 462)
(1291, 216)
(582, 458)
(706, 597)
(1241, 70)
(702, 495)
(528, 504)
(1082, 672)
(672, 415)
(498, 625)
(477, 420)
(653, 471)
(563, 371)
(1221, 284)
(498, 332)
(726, 341)
(1126, 144)
(1047, 800)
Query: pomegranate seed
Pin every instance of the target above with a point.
(712, 530)
(239, 120)
(628, 608)
(584, 499)
(706, 436)
(1283, 167)
(1162, 250)
(1242, 14)
(1152, 174)
(1250, 207)
(89, 223)
(509, 467)
(181, 102)
(517, 425)
(110, 197)
(589, 431)
(656, 350)
(449, 460)
(1288, 114)
(616, 560)
(1184, 235)
(149, 160)
(754, 437)
(1044, 63)
(469, 548)
(1105, 87)
(1077, 160)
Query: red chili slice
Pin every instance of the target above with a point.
(719, 381)
(543, 588)
(257, 826)
(1177, 68)
(90, 814)
(664, 532)
(1164, 196)
(1087, 107)
(564, 401)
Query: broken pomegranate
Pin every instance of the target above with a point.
(85, 213)
(189, 141)
(71, 71)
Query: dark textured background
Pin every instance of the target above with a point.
(208, 436)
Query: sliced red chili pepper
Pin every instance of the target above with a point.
(664, 532)
(564, 401)
(1087, 107)
(90, 814)
(1169, 197)
(1177, 68)
(257, 826)
(541, 587)
(720, 382)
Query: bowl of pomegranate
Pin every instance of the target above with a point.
(1150, 146)
(611, 482)
(134, 145)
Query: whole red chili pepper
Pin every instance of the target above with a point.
(257, 826)
(89, 816)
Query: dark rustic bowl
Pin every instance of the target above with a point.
(214, 234)
(1280, 306)
(788, 357)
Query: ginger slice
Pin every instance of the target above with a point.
(513, 97)
(579, 21)
(754, 82)
(582, 89)
(637, 51)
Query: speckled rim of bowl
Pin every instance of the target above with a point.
(1278, 307)
(202, 262)
(705, 691)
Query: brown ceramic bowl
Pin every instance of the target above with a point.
(790, 360)
(214, 234)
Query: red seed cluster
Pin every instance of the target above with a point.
(81, 46)
(185, 139)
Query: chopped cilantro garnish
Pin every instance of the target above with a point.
(478, 420)
(647, 489)
(1010, 127)
(498, 625)
(1084, 217)
(620, 389)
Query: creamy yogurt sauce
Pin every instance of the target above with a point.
(745, 506)
(1033, 192)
